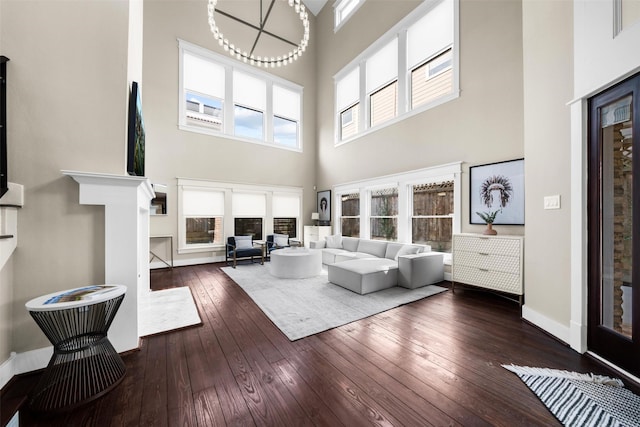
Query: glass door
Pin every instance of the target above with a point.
(614, 328)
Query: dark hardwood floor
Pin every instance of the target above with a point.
(433, 362)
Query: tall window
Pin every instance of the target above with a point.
(223, 97)
(350, 218)
(395, 86)
(204, 92)
(203, 214)
(348, 104)
(382, 84)
(384, 214)
(249, 210)
(430, 56)
(286, 211)
(286, 119)
(432, 219)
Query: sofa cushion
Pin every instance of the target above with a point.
(373, 247)
(334, 241)
(350, 243)
(329, 255)
(243, 242)
(281, 239)
(396, 249)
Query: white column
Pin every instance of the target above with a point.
(126, 200)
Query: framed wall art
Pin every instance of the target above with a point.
(497, 187)
(324, 207)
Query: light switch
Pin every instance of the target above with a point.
(552, 202)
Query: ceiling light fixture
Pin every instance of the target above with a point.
(249, 57)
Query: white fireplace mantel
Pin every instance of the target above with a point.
(126, 200)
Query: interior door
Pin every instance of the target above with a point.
(613, 208)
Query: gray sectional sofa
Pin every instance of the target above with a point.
(365, 266)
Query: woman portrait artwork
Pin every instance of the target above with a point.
(324, 206)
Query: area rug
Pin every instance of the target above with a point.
(167, 310)
(581, 399)
(303, 307)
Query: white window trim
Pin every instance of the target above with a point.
(338, 6)
(400, 31)
(228, 222)
(228, 123)
(404, 182)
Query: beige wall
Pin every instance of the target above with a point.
(173, 153)
(67, 100)
(6, 310)
(548, 86)
(484, 125)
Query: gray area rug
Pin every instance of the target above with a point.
(580, 400)
(303, 307)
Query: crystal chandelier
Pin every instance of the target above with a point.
(260, 61)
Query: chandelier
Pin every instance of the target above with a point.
(250, 57)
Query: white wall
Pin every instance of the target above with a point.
(484, 125)
(67, 100)
(173, 153)
(548, 80)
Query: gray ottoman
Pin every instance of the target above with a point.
(421, 269)
(364, 275)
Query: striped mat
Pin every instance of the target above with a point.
(581, 399)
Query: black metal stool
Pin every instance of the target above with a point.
(84, 365)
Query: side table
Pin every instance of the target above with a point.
(84, 365)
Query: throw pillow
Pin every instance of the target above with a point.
(243, 242)
(334, 241)
(281, 239)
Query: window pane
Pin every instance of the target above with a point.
(430, 34)
(203, 76)
(285, 226)
(384, 228)
(384, 104)
(348, 89)
(285, 205)
(384, 202)
(248, 123)
(248, 227)
(432, 80)
(350, 227)
(249, 204)
(382, 66)
(204, 231)
(249, 90)
(286, 103)
(203, 111)
(435, 232)
(350, 204)
(202, 202)
(433, 199)
(285, 132)
(349, 119)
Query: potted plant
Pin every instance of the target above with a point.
(488, 218)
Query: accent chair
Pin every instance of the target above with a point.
(242, 247)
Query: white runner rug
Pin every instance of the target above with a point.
(166, 310)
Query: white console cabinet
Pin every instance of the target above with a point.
(491, 262)
(313, 233)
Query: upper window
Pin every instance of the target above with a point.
(393, 86)
(343, 10)
(221, 96)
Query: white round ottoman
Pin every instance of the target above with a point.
(296, 263)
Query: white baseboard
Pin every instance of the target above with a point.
(551, 326)
(20, 363)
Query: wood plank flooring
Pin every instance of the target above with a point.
(430, 363)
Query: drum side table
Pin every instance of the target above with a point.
(84, 365)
